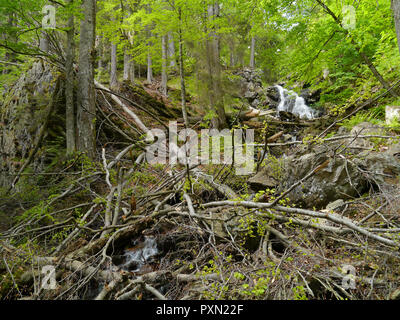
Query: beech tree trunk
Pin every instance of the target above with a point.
(86, 116)
(171, 50)
(132, 72)
(164, 74)
(149, 58)
(100, 49)
(253, 53)
(132, 62)
(396, 14)
(69, 87)
(9, 56)
(182, 74)
(113, 72)
(127, 66)
(216, 94)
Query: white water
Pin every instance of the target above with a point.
(291, 102)
(141, 256)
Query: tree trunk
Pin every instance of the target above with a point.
(113, 72)
(149, 68)
(182, 75)
(132, 72)
(253, 53)
(9, 56)
(171, 50)
(396, 14)
(164, 75)
(100, 67)
(69, 87)
(132, 62)
(216, 94)
(86, 116)
(127, 66)
(149, 58)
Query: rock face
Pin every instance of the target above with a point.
(310, 96)
(338, 177)
(251, 87)
(21, 117)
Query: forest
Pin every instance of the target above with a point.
(199, 150)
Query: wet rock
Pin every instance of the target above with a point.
(310, 96)
(273, 94)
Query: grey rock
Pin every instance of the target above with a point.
(339, 179)
(336, 205)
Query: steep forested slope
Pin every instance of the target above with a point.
(194, 149)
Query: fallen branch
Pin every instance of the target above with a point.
(328, 216)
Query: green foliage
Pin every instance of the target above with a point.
(374, 116)
(299, 293)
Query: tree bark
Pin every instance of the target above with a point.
(149, 58)
(149, 68)
(69, 87)
(127, 65)
(164, 74)
(216, 94)
(396, 14)
(100, 49)
(9, 56)
(132, 62)
(171, 50)
(113, 72)
(86, 116)
(132, 73)
(253, 53)
(182, 75)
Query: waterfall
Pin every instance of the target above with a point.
(137, 257)
(291, 102)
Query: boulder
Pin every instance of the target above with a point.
(338, 178)
(273, 94)
(364, 129)
(310, 96)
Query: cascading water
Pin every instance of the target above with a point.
(291, 102)
(140, 255)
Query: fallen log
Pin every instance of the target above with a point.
(134, 117)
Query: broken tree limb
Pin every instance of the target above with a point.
(134, 117)
(328, 216)
(77, 266)
(222, 188)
